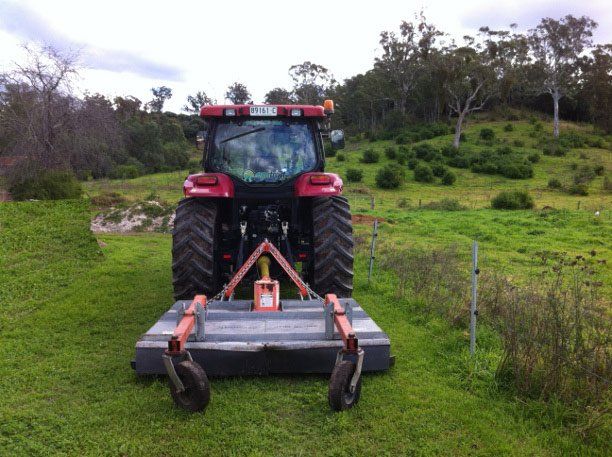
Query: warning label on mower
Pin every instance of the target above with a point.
(266, 301)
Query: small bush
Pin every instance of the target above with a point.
(449, 178)
(578, 189)
(424, 150)
(508, 128)
(585, 174)
(107, 199)
(595, 143)
(554, 183)
(537, 127)
(340, 157)
(46, 185)
(403, 203)
(402, 139)
(446, 204)
(504, 151)
(534, 158)
(403, 155)
(125, 172)
(554, 149)
(459, 161)
(390, 176)
(599, 169)
(487, 134)
(514, 170)
(330, 152)
(423, 173)
(518, 143)
(412, 163)
(583, 156)
(194, 165)
(607, 184)
(438, 169)
(390, 153)
(370, 156)
(354, 175)
(515, 199)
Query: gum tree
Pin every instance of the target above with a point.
(557, 46)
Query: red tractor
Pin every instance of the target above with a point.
(264, 179)
(263, 199)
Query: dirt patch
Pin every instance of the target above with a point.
(149, 216)
(365, 219)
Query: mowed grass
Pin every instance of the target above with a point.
(67, 387)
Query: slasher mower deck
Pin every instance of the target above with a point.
(262, 336)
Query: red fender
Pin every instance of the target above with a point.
(316, 184)
(208, 185)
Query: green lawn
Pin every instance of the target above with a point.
(70, 317)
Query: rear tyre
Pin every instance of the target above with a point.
(194, 239)
(339, 395)
(196, 395)
(332, 269)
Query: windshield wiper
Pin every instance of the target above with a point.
(240, 135)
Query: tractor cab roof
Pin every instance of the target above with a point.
(216, 111)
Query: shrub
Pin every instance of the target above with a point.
(438, 169)
(584, 175)
(330, 152)
(446, 204)
(390, 176)
(578, 189)
(518, 143)
(194, 165)
(572, 140)
(515, 170)
(412, 163)
(107, 199)
(459, 161)
(554, 183)
(449, 178)
(354, 175)
(402, 139)
(607, 184)
(125, 172)
(424, 150)
(508, 128)
(555, 149)
(534, 158)
(340, 157)
(370, 156)
(583, 156)
(599, 169)
(512, 199)
(46, 185)
(487, 134)
(537, 127)
(595, 143)
(390, 153)
(423, 173)
(404, 154)
(449, 151)
(504, 151)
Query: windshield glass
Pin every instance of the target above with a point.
(261, 151)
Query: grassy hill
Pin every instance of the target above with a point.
(68, 389)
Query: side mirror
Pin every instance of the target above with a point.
(201, 139)
(337, 139)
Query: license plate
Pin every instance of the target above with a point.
(262, 110)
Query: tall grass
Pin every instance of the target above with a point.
(555, 328)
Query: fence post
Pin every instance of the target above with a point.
(371, 201)
(473, 309)
(372, 248)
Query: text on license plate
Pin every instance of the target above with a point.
(262, 110)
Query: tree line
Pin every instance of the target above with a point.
(421, 76)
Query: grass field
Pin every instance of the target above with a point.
(67, 387)
(71, 311)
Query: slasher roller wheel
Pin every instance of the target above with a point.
(339, 395)
(196, 395)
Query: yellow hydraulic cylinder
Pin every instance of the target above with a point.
(263, 265)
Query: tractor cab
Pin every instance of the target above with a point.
(259, 145)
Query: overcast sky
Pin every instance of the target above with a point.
(127, 47)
